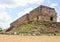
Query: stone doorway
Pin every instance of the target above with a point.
(51, 18)
(37, 17)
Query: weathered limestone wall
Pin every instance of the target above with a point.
(20, 21)
(47, 13)
(42, 13)
(34, 13)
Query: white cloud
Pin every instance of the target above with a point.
(5, 19)
(15, 3)
(25, 2)
(2, 7)
(53, 5)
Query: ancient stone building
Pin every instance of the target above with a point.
(43, 13)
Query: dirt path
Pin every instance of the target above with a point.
(16, 38)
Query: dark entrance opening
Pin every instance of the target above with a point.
(51, 18)
(37, 17)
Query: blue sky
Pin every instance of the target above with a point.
(10, 10)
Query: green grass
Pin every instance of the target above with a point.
(22, 28)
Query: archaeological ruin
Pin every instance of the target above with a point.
(41, 13)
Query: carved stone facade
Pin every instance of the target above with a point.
(43, 13)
